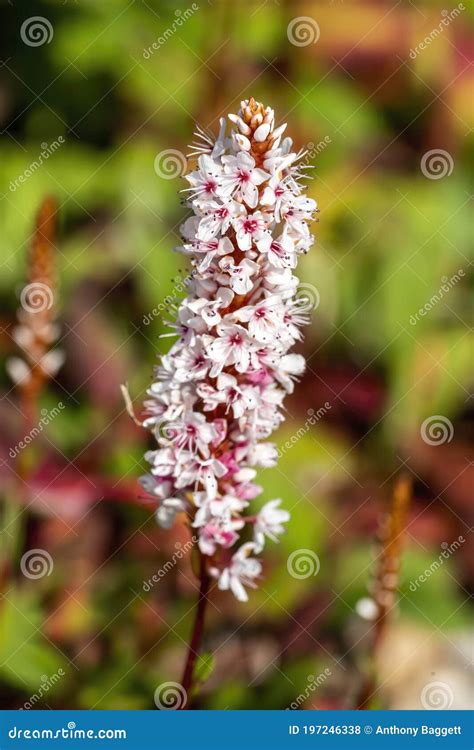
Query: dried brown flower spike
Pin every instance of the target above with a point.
(386, 580)
(391, 539)
(37, 331)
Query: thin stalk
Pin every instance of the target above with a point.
(386, 580)
(193, 649)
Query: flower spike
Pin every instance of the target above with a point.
(218, 392)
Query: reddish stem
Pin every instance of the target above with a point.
(198, 627)
(390, 559)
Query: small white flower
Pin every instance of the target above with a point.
(276, 194)
(297, 212)
(280, 251)
(233, 347)
(242, 571)
(240, 276)
(269, 523)
(241, 178)
(205, 180)
(263, 454)
(217, 220)
(291, 365)
(210, 249)
(264, 319)
(192, 433)
(168, 510)
(250, 228)
(209, 309)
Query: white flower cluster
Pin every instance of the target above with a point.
(219, 390)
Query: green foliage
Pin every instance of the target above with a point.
(387, 238)
(25, 654)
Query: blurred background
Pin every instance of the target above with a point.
(380, 95)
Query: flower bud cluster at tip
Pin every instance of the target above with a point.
(218, 392)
